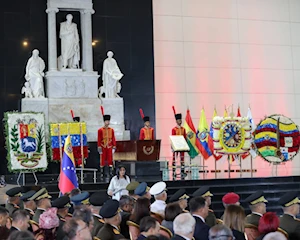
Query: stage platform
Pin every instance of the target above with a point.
(274, 187)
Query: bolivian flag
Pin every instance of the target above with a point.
(191, 135)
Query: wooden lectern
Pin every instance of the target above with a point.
(140, 150)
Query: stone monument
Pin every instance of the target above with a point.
(71, 81)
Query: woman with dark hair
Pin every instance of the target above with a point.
(118, 184)
(141, 209)
(269, 222)
(234, 218)
(172, 210)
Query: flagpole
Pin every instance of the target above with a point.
(215, 168)
(81, 146)
(251, 165)
(241, 169)
(228, 159)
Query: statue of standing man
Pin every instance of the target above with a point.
(111, 75)
(70, 51)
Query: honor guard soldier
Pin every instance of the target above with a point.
(106, 145)
(42, 198)
(142, 190)
(158, 190)
(204, 192)
(178, 130)
(97, 200)
(111, 214)
(29, 205)
(181, 197)
(80, 199)
(288, 221)
(131, 188)
(257, 204)
(13, 201)
(147, 132)
(62, 204)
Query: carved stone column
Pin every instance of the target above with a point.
(87, 32)
(52, 45)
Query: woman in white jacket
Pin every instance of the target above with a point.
(117, 185)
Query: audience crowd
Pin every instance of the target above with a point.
(136, 216)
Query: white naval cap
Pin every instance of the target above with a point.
(158, 188)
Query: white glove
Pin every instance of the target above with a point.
(113, 150)
(99, 150)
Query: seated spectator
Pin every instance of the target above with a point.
(20, 220)
(126, 205)
(21, 235)
(84, 213)
(141, 209)
(234, 218)
(149, 226)
(171, 212)
(76, 229)
(220, 232)
(184, 227)
(48, 223)
(274, 236)
(269, 222)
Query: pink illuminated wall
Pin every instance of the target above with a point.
(222, 52)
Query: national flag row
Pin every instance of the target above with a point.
(200, 140)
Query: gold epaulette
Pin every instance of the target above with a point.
(219, 221)
(70, 215)
(210, 210)
(62, 219)
(95, 238)
(101, 220)
(116, 231)
(185, 211)
(33, 222)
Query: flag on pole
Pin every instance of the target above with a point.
(225, 113)
(204, 137)
(191, 135)
(211, 133)
(67, 177)
(238, 112)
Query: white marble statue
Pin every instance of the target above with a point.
(70, 51)
(34, 75)
(111, 75)
(26, 90)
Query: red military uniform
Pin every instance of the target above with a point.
(147, 133)
(107, 141)
(179, 131)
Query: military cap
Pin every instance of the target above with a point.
(42, 193)
(14, 192)
(289, 199)
(141, 189)
(27, 195)
(81, 198)
(256, 197)
(179, 195)
(110, 208)
(158, 188)
(132, 186)
(61, 202)
(202, 192)
(231, 198)
(98, 199)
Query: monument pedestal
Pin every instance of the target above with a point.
(58, 110)
(72, 83)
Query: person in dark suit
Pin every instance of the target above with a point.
(184, 227)
(149, 226)
(204, 191)
(20, 220)
(199, 209)
(126, 206)
(288, 221)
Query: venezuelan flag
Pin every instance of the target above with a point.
(191, 135)
(203, 136)
(67, 178)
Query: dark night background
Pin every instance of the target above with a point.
(123, 26)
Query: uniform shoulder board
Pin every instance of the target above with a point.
(70, 215)
(248, 215)
(185, 211)
(101, 220)
(95, 238)
(16, 206)
(116, 231)
(210, 210)
(297, 219)
(62, 219)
